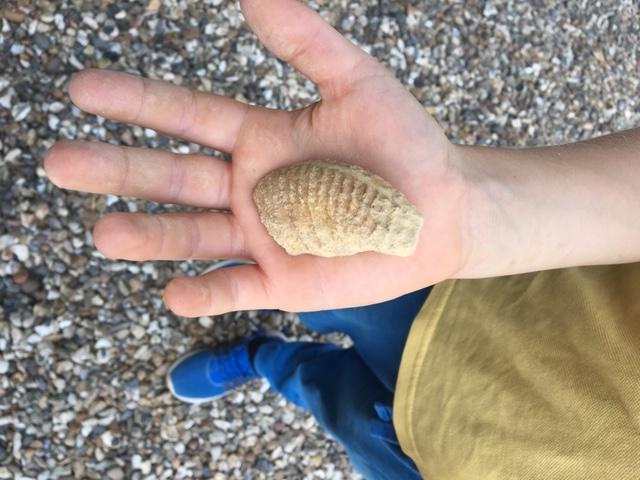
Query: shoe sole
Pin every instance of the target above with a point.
(230, 262)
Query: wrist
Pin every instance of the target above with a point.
(483, 191)
(456, 204)
(509, 225)
(534, 209)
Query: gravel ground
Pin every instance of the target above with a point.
(85, 342)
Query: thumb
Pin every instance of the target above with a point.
(298, 35)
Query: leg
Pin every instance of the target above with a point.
(279, 363)
(332, 383)
(378, 331)
(343, 395)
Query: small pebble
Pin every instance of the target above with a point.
(21, 252)
(115, 473)
(21, 111)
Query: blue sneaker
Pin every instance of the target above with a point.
(208, 374)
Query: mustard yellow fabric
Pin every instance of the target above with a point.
(533, 376)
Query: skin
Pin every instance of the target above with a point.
(487, 212)
(391, 136)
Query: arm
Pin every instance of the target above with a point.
(486, 211)
(551, 207)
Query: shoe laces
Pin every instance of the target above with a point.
(233, 361)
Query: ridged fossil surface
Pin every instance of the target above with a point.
(332, 209)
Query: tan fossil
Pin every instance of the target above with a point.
(332, 209)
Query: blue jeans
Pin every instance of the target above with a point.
(349, 390)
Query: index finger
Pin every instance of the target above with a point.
(204, 118)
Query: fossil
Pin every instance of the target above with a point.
(333, 209)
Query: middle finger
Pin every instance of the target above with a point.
(197, 180)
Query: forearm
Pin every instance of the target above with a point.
(551, 207)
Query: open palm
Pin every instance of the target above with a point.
(365, 117)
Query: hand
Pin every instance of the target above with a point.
(365, 117)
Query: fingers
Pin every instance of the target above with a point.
(218, 292)
(298, 35)
(169, 236)
(159, 176)
(204, 118)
